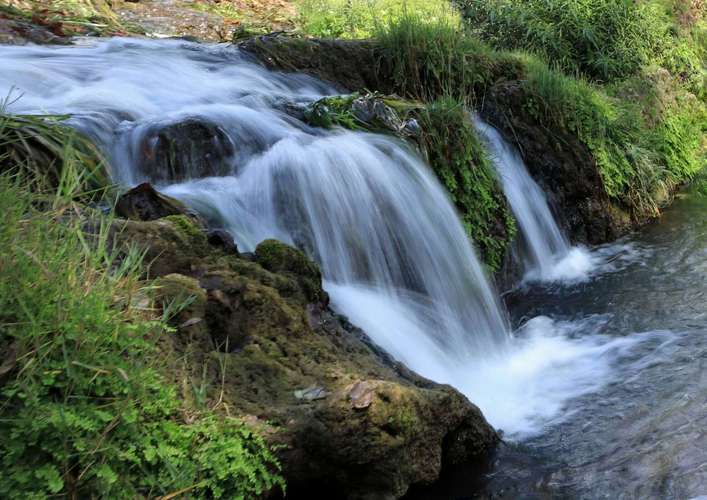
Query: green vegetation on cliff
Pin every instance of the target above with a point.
(606, 40)
(645, 133)
(460, 161)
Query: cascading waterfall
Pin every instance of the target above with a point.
(547, 254)
(395, 257)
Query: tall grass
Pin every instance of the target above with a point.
(638, 156)
(606, 40)
(429, 59)
(41, 149)
(364, 18)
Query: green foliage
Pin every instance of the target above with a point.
(644, 141)
(461, 163)
(430, 59)
(645, 136)
(333, 111)
(603, 39)
(87, 407)
(363, 18)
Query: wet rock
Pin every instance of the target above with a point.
(222, 238)
(144, 203)
(16, 31)
(561, 164)
(349, 422)
(189, 149)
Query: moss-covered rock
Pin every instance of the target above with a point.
(284, 259)
(257, 340)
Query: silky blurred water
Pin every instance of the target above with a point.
(591, 364)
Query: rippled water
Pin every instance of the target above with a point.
(644, 435)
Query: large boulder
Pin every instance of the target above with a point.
(349, 421)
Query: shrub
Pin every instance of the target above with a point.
(604, 39)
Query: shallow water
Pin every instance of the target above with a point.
(597, 381)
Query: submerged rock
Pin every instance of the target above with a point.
(188, 149)
(350, 422)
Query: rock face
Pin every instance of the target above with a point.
(191, 148)
(143, 202)
(348, 64)
(354, 424)
(561, 164)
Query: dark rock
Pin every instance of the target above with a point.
(188, 149)
(144, 203)
(17, 31)
(347, 64)
(223, 239)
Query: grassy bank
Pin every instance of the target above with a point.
(645, 132)
(90, 402)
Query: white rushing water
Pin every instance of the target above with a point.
(547, 254)
(395, 257)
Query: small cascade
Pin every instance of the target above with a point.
(394, 255)
(547, 254)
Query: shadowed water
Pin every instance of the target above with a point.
(395, 257)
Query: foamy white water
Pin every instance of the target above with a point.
(394, 254)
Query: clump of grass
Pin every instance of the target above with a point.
(42, 150)
(89, 407)
(428, 59)
(461, 162)
(364, 18)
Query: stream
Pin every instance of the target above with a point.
(596, 373)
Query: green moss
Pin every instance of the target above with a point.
(461, 163)
(333, 111)
(280, 258)
(188, 229)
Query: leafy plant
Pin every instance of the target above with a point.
(88, 406)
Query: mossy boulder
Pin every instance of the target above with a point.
(258, 341)
(277, 257)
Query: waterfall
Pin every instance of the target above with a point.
(547, 254)
(394, 255)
